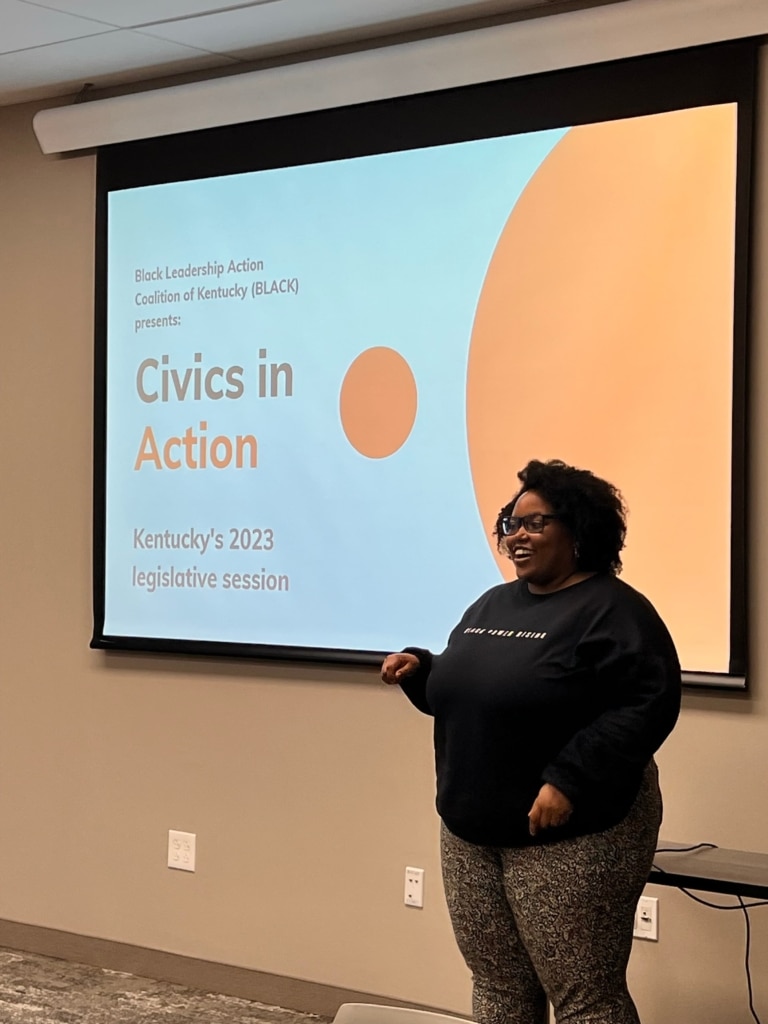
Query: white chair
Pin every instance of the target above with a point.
(372, 1013)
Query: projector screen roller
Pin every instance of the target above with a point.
(321, 379)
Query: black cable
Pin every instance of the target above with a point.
(685, 849)
(741, 905)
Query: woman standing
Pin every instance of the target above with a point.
(550, 699)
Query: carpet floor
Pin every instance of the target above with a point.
(41, 990)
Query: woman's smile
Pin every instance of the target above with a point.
(521, 555)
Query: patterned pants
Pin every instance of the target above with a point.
(553, 921)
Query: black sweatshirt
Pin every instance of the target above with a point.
(577, 688)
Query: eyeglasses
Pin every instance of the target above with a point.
(533, 524)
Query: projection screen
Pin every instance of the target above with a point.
(325, 346)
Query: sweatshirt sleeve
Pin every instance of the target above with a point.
(638, 689)
(415, 685)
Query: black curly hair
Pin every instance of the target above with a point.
(591, 508)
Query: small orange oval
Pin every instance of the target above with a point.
(378, 402)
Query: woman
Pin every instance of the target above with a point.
(549, 701)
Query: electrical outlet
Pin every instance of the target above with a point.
(414, 887)
(181, 850)
(647, 919)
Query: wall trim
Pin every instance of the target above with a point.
(205, 975)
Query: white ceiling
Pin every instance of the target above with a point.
(54, 48)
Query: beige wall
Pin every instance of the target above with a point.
(309, 788)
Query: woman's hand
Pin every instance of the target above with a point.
(397, 666)
(550, 809)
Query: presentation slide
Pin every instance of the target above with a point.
(322, 380)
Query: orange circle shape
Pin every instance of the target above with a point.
(603, 337)
(378, 402)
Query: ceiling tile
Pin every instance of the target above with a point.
(40, 55)
(241, 30)
(24, 25)
(106, 60)
(129, 13)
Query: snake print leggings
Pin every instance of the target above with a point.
(553, 921)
